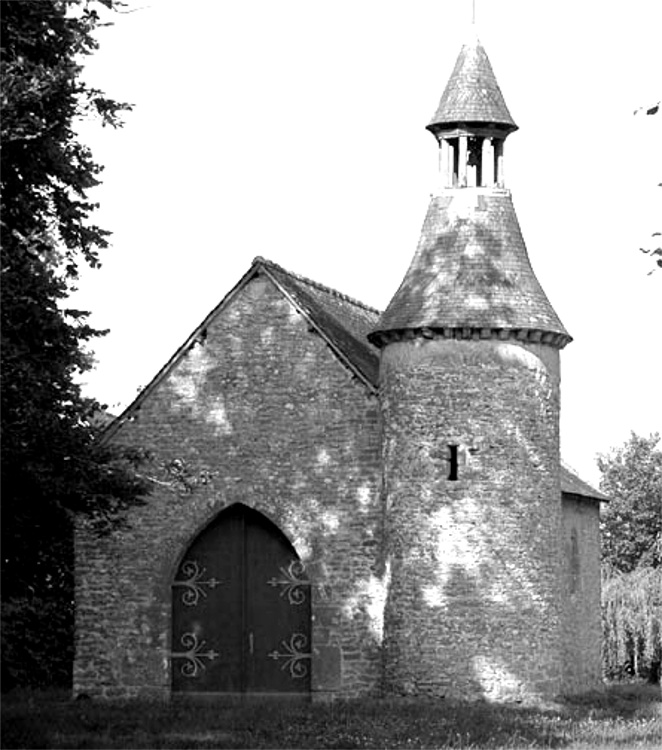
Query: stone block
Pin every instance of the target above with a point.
(327, 668)
(326, 615)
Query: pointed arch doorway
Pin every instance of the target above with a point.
(241, 611)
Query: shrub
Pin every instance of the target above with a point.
(37, 642)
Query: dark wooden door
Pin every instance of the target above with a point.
(241, 610)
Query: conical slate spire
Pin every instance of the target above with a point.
(471, 276)
(472, 94)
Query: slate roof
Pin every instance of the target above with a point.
(343, 322)
(571, 484)
(347, 322)
(472, 94)
(471, 270)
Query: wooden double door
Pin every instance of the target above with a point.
(241, 610)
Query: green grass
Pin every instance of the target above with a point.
(621, 717)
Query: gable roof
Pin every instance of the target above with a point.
(344, 323)
(341, 321)
(472, 94)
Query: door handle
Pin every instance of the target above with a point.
(250, 643)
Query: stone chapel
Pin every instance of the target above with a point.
(347, 502)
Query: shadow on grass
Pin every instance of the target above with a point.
(619, 718)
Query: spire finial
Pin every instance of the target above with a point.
(473, 12)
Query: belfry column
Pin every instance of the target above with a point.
(445, 163)
(488, 163)
(498, 160)
(462, 161)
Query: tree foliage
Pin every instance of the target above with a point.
(632, 555)
(632, 621)
(654, 252)
(52, 464)
(632, 521)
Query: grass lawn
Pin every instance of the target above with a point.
(622, 717)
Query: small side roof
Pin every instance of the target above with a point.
(571, 484)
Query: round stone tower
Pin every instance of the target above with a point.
(470, 402)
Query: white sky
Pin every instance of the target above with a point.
(296, 131)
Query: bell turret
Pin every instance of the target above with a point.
(469, 393)
(471, 276)
(472, 122)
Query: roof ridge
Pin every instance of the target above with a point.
(316, 285)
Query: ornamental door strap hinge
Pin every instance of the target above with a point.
(194, 585)
(194, 655)
(292, 582)
(294, 656)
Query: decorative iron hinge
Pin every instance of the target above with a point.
(193, 584)
(194, 655)
(294, 655)
(293, 582)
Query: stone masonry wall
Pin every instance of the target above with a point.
(582, 634)
(258, 411)
(474, 603)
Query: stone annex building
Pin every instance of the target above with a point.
(347, 502)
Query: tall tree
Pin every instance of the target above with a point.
(632, 521)
(632, 558)
(52, 466)
(632, 620)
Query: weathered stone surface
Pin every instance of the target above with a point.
(327, 676)
(261, 413)
(474, 605)
(582, 627)
(467, 586)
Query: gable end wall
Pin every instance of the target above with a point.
(261, 412)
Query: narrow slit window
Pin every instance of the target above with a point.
(575, 578)
(452, 463)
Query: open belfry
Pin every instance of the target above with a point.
(351, 503)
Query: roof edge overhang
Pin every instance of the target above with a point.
(573, 487)
(454, 128)
(319, 329)
(195, 337)
(258, 266)
(580, 498)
